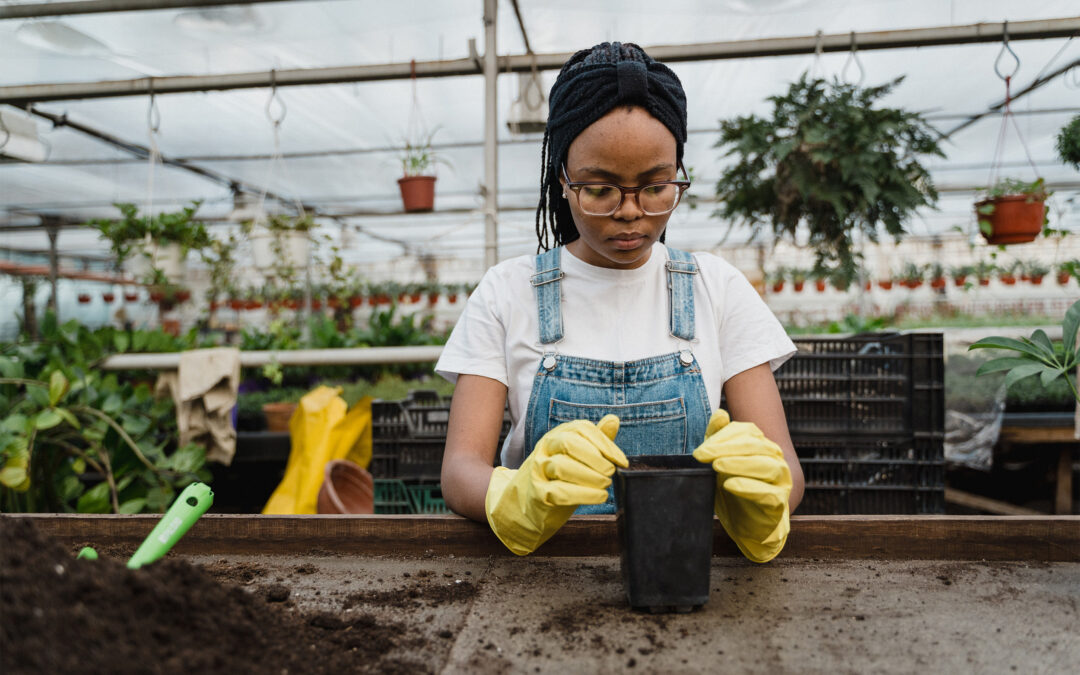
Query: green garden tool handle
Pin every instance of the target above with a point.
(188, 507)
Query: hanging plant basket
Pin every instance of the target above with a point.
(417, 193)
(937, 283)
(885, 284)
(1063, 278)
(432, 298)
(108, 297)
(84, 298)
(451, 298)
(1011, 219)
(959, 280)
(797, 286)
(820, 285)
(131, 297)
(236, 304)
(778, 287)
(355, 301)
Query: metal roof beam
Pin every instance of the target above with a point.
(39, 10)
(22, 95)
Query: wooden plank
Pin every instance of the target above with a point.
(1063, 494)
(1045, 538)
(995, 506)
(1038, 435)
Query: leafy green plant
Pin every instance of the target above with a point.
(1005, 187)
(1038, 355)
(828, 158)
(1068, 143)
(418, 158)
(854, 323)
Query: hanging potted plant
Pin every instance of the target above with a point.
(1007, 273)
(84, 298)
(280, 243)
(108, 297)
(829, 161)
(1068, 143)
(776, 279)
(960, 273)
(433, 289)
(417, 183)
(131, 296)
(1012, 211)
(152, 243)
(819, 275)
(937, 276)
(911, 276)
(984, 271)
(840, 280)
(798, 279)
(885, 284)
(1035, 270)
(1066, 270)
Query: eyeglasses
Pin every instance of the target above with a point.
(603, 199)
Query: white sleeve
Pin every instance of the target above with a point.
(750, 334)
(477, 344)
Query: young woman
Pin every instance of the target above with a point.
(608, 343)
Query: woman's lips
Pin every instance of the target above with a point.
(628, 243)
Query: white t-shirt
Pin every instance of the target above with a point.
(609, 315)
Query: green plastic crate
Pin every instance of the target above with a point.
(392, 497)
(427, 499)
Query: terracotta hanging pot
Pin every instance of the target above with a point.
(778, 287)
(108, 297)
(1036, 280)
(820, 285)
(452, 298)
(959, 280)
(937, 283)
(798, 286)
(236, 304)
(131, 297)
(1063, 278)
(414, 298)
(984, 281)
(432, 298)
(885, 284)
(355, 301)
(417, 193)
(1015, 219)
(84, 298)
(1008, 279)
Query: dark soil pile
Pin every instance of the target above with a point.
(62, 615)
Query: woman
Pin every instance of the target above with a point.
(610, 343)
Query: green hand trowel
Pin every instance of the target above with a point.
(188, 507)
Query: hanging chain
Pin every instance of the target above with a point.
(277, 160)
(1006, 113)
(153, 128)
(815, 67)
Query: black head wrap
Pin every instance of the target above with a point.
(591, 84)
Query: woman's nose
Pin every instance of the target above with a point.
(629, 209)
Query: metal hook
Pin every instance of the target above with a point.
(153, 115)
(1006, 48)
(276, 121)
(853, 55)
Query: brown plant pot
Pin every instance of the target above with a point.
(937, 283)
(1036, 281)
(414, 297)
(278, 415)
(984, 281)
(432, 298)
(778, 286)
(346, 488)
(236, 304)
(108, 297)
(959, 281)
(183, 295)
(885, 284)
(333, 303)
(355, 301)
(1008, 279)
(131, 297)
(1063, 278)
(797, 286)
(820, 286)
(452, 298)
(417, 193)
(867, 286)
(1016, 219)
(84, 298)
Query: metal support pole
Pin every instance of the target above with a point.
(491, 130)
(52, 228)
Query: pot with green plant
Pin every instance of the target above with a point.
(417, 183)
(1007, 272)
(960, 273)
(1035, 270)
(1068, 143)
(1012, 211)
(936, 273)
(776, 278)
(820, 277)
(911, 276)
(984, 271)
(830, 161)
(798, 279)
(156, 242)
(280, 243)
(1068, 269)
(1038, 355)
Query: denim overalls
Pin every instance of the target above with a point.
(661, 401)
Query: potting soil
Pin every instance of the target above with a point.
(63, 615)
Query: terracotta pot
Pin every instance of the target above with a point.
(984, 281)
(867, 286)
(131, 297)
(417, 193)
(236, 304)
(797, 286)
(959, 281)
(346, 488)
(214, 305)
(414, 297)
(778, 286)
(278, 414)
(183, 295)
(1008, 279)
(937, 283)
(1063, 278)
(432, 298)
(382, 299)
(885, 284)
(355, 301)
(108, 297)
(156, 296)
(316, 304)
(451, 298)
(1016, 219)
(292, 303)
(333, 303)
(171, 326)
(84, 298)
(820, 285)
(1036, 281)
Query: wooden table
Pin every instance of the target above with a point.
(1049, 429)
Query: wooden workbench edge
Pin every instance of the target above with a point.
(1029, 538)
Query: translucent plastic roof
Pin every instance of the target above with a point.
(343, 135)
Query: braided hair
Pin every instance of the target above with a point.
(592, 83)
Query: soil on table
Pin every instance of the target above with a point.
(63, 615)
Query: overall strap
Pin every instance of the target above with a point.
(547, 282)
(681, 269)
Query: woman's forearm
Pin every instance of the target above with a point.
(464, 487)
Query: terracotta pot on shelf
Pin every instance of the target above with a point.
(959, 281)
(131, 297)
(1016, 219)
(108, 297)
(417, 193)
(778, 287)
(797, 286)
(1036, 280)
(278, 415)
(1008, 279)
(84, 298)
(937, 283)
(1063, 278)
(820, 285)
(885, 284)
(984, 281)
(346, 488)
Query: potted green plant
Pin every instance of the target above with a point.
(1066, 270)
(936, 272)
(776, 277)
(798, 279)
(960, 273)
(1068, 143)
(1035, 270)
(1007, 272)
(417, 182)
(911, 276)
(819, 275)
(827, 159)
(280, 243)
(158, 242)
(1038, 355)
(1012, 211)
(984, 271)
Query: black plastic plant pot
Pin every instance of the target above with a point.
(664, 518)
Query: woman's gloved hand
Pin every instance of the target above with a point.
(753, 483)
(571, 465)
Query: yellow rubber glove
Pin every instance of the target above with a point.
(753, 483)
(571, 465)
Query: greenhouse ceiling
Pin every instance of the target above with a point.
(339, 143)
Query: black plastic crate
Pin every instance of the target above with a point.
(409, 436)
(892, 383)
(851, 475)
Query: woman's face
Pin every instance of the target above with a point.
(628, 147)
